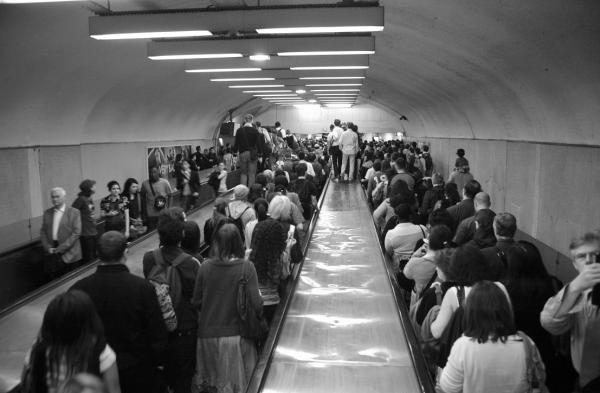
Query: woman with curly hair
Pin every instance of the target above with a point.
(71, 341)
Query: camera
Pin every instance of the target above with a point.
(596, 290)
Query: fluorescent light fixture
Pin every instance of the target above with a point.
(333, 90)
(320, 29)
(33, 1)
(240, 79)
(337, 94)
(328, 53)
(281, 98)
(330, 68)
(204, 56)
(223, 69)
(300, 91)
(312, 101)
(260, 57)
(266, 91)
(333, 84)
(152, 34)
(275, 95)
(252, 86)
(330, 77)
(308, 106)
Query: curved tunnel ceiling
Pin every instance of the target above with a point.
(483, 69)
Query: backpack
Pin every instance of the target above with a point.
(239, 223)
(437, 351)
(167, 285)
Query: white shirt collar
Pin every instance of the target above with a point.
(62, 208)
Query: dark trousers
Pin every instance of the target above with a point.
(139, 379)
(336, 157)
(88, 248)
(180, 364)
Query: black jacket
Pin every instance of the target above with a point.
(129, 310)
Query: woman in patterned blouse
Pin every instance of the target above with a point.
(115, 209)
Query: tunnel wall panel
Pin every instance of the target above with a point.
(551, 189)
(37, 170)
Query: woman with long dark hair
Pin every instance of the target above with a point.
(530, 286)
(191, 239)
(225, 359)
(71, 341)
(490, 357)
(131, 192)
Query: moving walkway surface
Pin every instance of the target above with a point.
(343, 331)
(19, 328)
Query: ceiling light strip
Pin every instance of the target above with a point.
(328, 53)
(199, 56)
(253, 86)
(266, 91)
(223, 69)
(152, 34)
(320, 29)
(330, 77)
(275, 95)
(333, 90)
(240, 79)
(332, 84)
(360, 67)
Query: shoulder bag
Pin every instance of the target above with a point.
(253, 325)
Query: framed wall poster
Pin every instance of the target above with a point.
(164, 158)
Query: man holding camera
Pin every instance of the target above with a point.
(575, 309)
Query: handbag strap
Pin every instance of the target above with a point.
(152, 188)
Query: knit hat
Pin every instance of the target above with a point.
(240, 192)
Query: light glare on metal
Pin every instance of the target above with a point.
(300, 91)
(266, 91)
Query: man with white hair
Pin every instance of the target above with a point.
(61, 228)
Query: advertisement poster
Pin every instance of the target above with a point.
(164, 158)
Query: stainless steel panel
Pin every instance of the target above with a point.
(342, 331)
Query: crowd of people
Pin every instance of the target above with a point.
(186, 325)
(488, 315)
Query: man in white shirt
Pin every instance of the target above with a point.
(333, 140)
(59, 234)
(349, 148)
